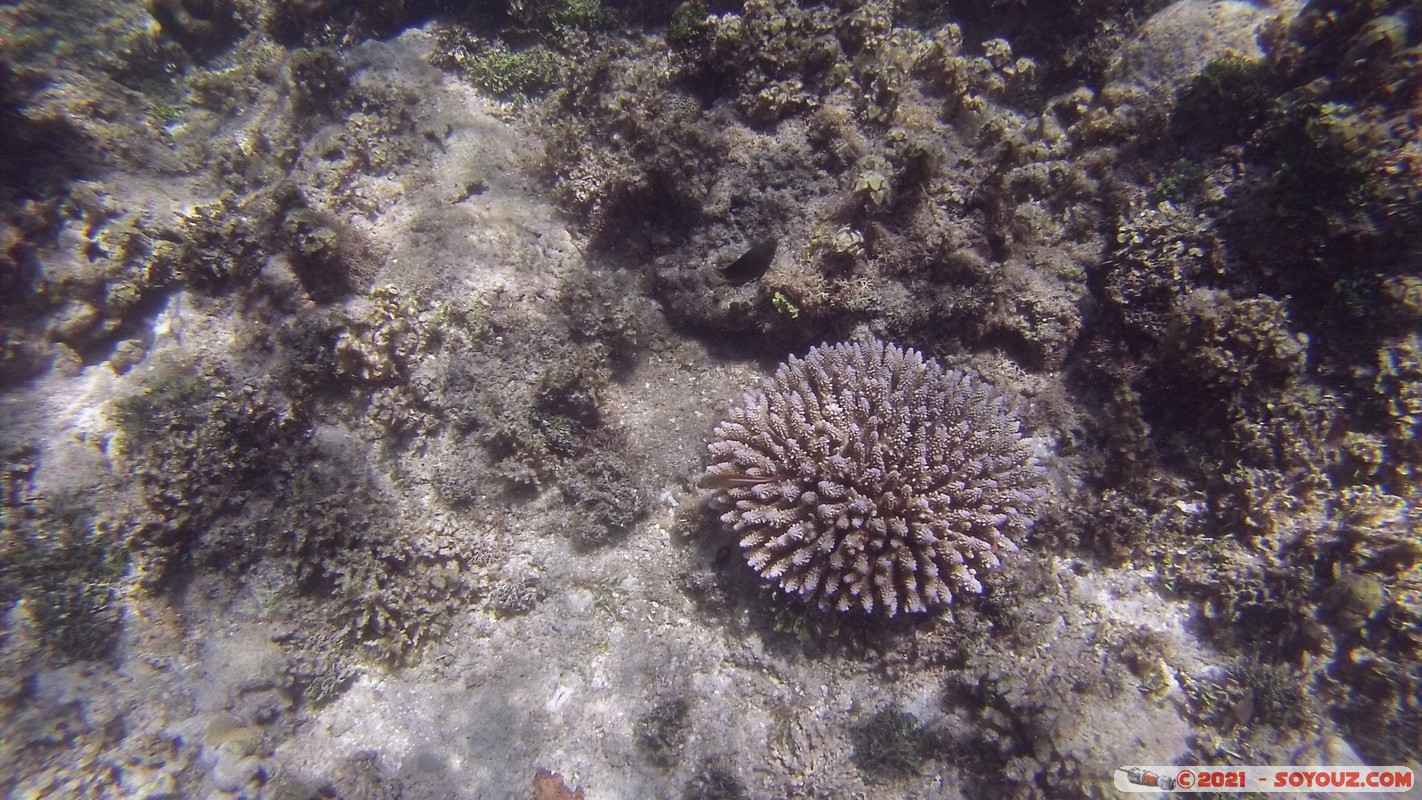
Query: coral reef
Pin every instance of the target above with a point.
(865, 476)
(358, 357)
(882, 159)
(1252, 314)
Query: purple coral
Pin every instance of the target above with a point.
(866, 475)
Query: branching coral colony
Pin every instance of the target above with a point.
(867, 476)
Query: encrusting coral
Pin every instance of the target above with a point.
(867, 475)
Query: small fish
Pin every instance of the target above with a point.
(731, 480)
(752, 264)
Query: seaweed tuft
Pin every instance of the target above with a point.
(662, 732)
(64, 563)
(890, 744)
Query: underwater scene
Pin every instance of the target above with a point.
(710, 399)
